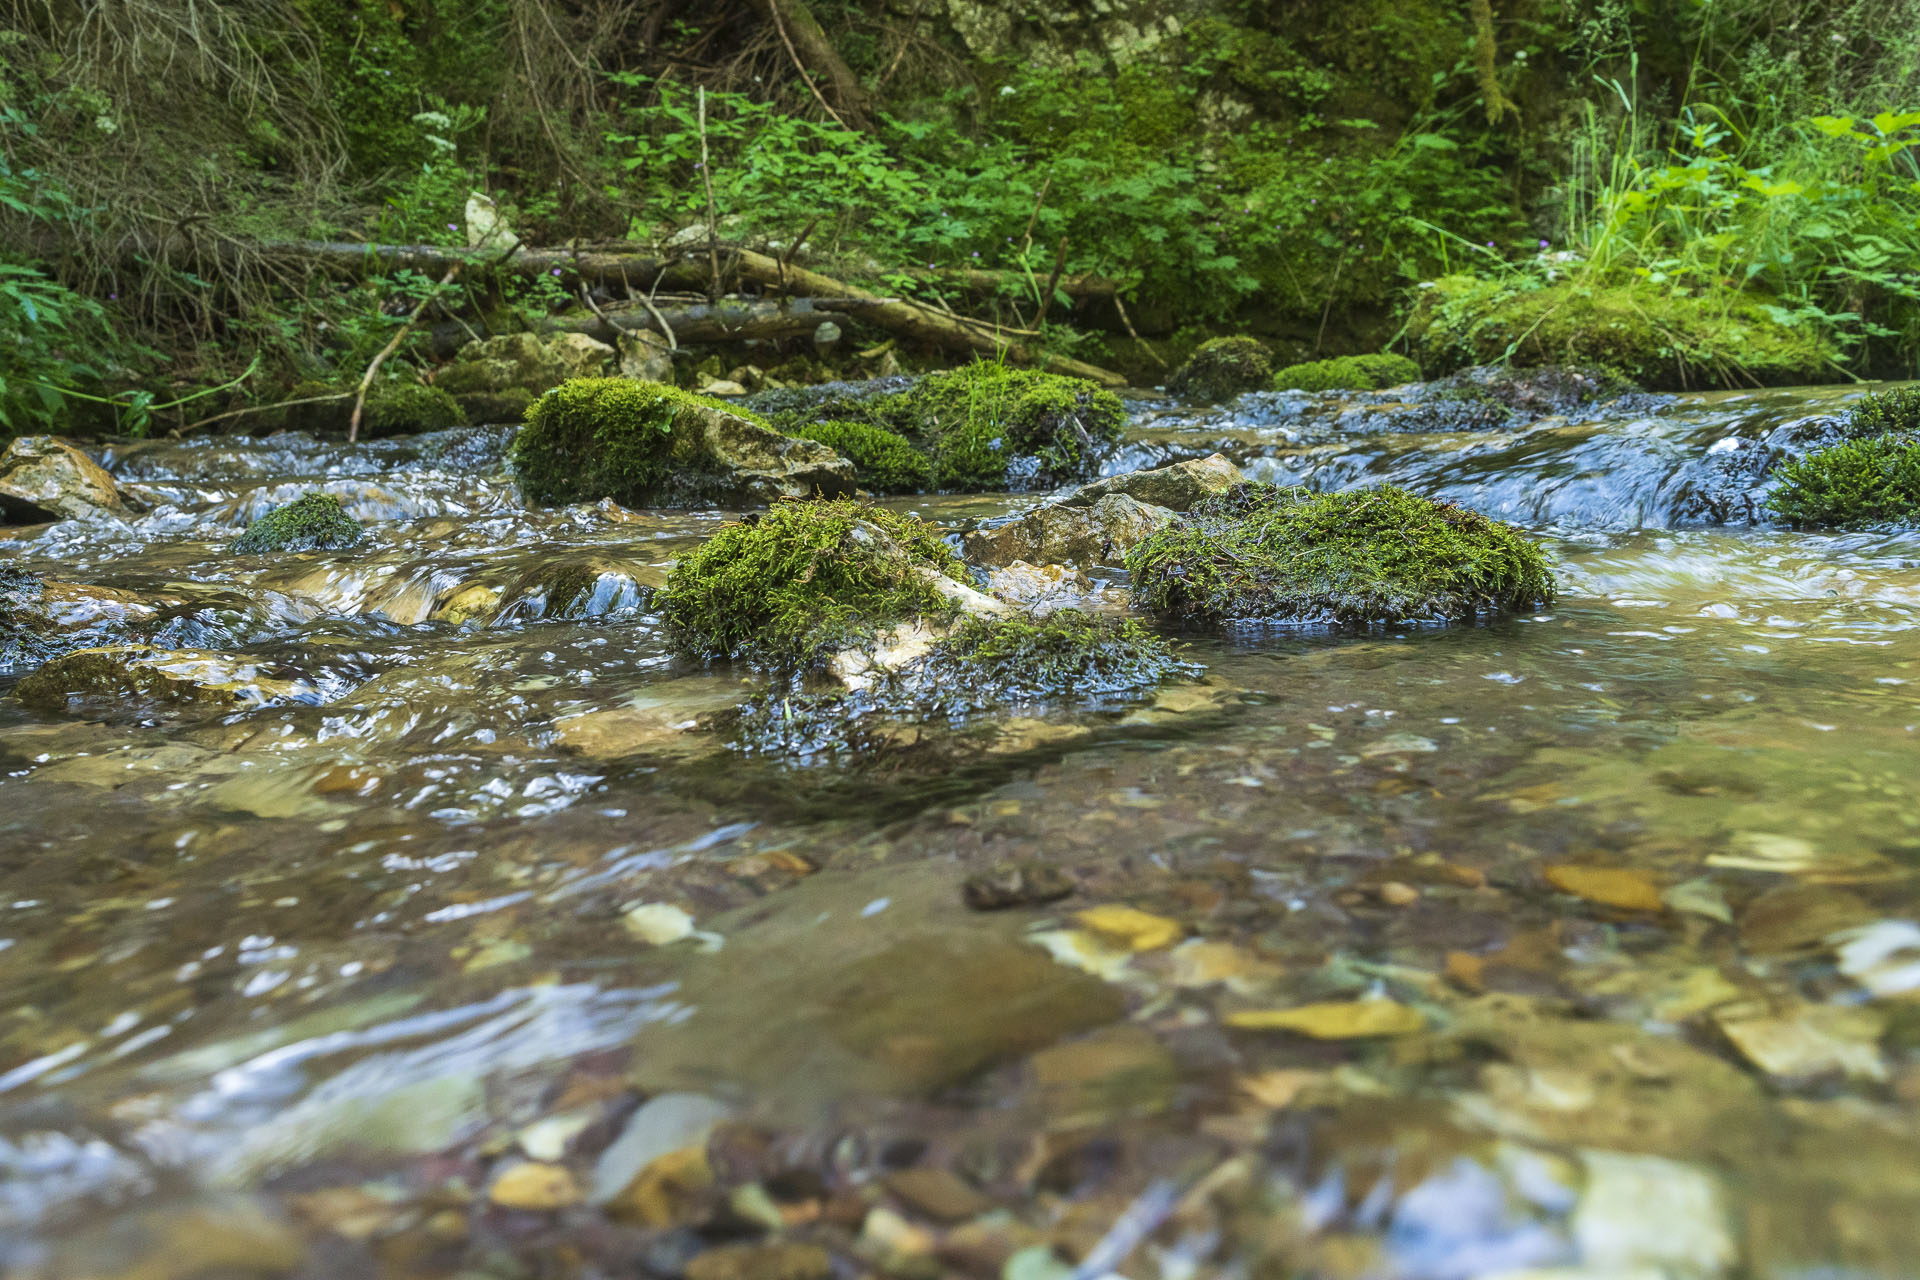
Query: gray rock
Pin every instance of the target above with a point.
(495, 365)
(1099, 533)
(740, 459)
(1177, 488)
(44, 478)
(665, 1124)
(645, 355)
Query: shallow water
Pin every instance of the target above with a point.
(286, 983)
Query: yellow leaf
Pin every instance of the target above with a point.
(1138, 930)
(1336, 1020)
(1621, 887)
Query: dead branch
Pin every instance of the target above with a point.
(393, 344)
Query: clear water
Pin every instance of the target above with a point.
(363, 940)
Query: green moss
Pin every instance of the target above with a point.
(510, 405)
(1348, 373)
(312, 522)
(805, 579)
(884, 461)
(1880, 412)
(408, 408)
(984, 665)
(1654, 338)
(975, 422)
(1357, 558)
(593, 438)
(1223, 368)
(1856, 482)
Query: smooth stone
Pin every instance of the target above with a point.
(1176, 488)
(762, 1262)
(139, 674)
(1097, 534)
(44, 478)
(664, 1124)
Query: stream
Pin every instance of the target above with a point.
(1605, 918)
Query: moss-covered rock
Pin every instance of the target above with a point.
(510, 405)
(135, 676)
(983, 665)
(408, 408)
(883, 461)
(1222, 369)
(1870, 476)
(805, 580)
(643, 443)
(1655, 338)
(1348, 373)
(989, 426)
(1358, 558)
(524, 360)
(312, 522)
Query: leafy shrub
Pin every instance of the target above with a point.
(311, 522)
(805, 579)
(1875, 480)
(1221, 368)
(1358, 558)
(885, 461)
(1348, 373)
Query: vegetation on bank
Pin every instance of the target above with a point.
(1692, 181)
(1222, 368)
(1359, 558)
(1870, 477)
(1348, 373)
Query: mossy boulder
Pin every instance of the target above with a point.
(1348, 373)
(1870, 477)
(883, 461)
(312, 522)
(1655, 338)
(1223, 368)
(525, 360)
(1359, 558)
(990, 426)
(408, 408)
(805, 580)
(646, 443)
(488, 407)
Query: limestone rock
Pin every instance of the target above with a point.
(645, 355)
(44, 478)
(142, 675)
(495, 365)
(747, 460)
(1177, 488)
(1095, 534)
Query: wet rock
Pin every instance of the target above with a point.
(1643, 1212)
(1177, 488)
(523, 360)
(939, 1194)
(1100, 533)
(45, 478)
(643, 443)
(762, 1262)
(138, 675)
(535, 1187)
(666, 1123)
(662, 717)
(1015, 884)
(40, 619)
(1799, 1042)
(1358, 558)
(227, 1236)
(313, 522)
(1041, 588)
(1222, 368)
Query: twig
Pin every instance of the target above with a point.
(795, 248)
(1053, 282)
(780, 25)
(366, 379)
(594, 307)
(1121, 306)
(713, 216)
(262, 408)
(1034, 217)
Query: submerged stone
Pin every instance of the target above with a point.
(40, 618)
(312, 522)
(139, 675)
(1099, 533)
(45, 478)
(1223, 368)
(1357, 558)
(1348, 373)
(643, 443)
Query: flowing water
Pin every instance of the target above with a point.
(1605, 918)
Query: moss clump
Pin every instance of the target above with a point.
(408, 408)
(1223, 368)
(1348, 373)
(983, 665)
(803, 580)
(977, 423)
(1357, 558)
(594, 438)
(311, 522)
(884, 461)
(1654, 338)
(1855, 482)
(1881, 412)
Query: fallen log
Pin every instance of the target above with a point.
(641, 271)
(730, 320)
(914, 320)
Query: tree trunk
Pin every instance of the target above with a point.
(800, 32)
